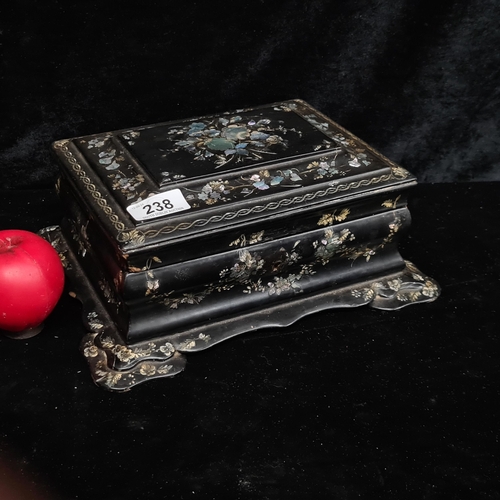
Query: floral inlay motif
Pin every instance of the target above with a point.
(105, 376)
(152, 283)
(391, 203)
(109, 159)
(281, 284)
(366, 294)
(147, 369)
(185, 298)
(168, 177)
(288, 107)
(349, 143)
(409, 287)
(163, 370)
(134, 236)
(430, 289)
(244, 240)
(123, 178)
(127, 354)
(108, 291)
(91, 351)
(123, 353)
(230, 139)
(97, 142)
(128, 186)
(80, 236)
(332, 244)
(94, 322)
(339, 164)
(250, 268)
(368, 251)
(131, 136)
(248, 265)
(335, 216)
(189, 344)
(119, 367)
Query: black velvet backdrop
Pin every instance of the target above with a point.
(418, 80)
(343, 404)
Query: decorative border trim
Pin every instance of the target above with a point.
(274, 205)
(91, 188)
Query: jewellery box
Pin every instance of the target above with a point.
(182, 234)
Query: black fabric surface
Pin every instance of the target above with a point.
(418, 80)
(343, 404)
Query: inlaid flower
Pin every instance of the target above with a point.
(147, 369)
(173, 302)
(281, 285)
(167, 349)
(400, 173)
(107, 158)
(107, 343)
(112, 378)
(332, 243)
(313, 120)
(152, 286)
(363, 158)
(237, 133)
(289, 106)
(395, 226)
(368, 254)
(123, 353)
(130, 136)
(134, 236)
(91, 351)
(395, 284)
(324, 168)
(430, 289)
(126, 185)
(186, 345)
(98, 142)
(261, 185)
(402, 296)
(213, 191)
(339, 138)
(168, 177)
(229, 139)
(163, 370)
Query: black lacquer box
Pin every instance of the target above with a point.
(179, 235)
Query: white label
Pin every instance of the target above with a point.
(159, 205)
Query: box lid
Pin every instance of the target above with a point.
(155, 184)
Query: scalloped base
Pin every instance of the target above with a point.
(119, 367)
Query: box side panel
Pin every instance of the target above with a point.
(99, 258)
(339, 255)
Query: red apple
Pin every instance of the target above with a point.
(31, 280)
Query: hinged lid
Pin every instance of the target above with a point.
(155, 184)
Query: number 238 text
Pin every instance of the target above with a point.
(158, 206)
